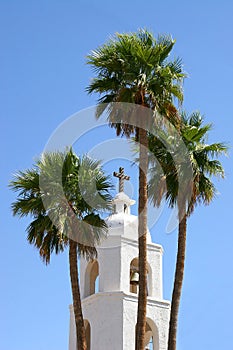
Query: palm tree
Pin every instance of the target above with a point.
(165, 182)
(133, 69)
(62, 193)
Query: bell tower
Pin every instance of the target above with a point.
(109, 287)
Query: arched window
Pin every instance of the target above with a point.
(134, 277)
(97, 284)
(149, 280)
(91, 278)
(126, 209)
(151, 336)
(88, 334)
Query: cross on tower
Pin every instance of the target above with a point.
(121, 177)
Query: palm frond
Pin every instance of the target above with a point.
(59, 192)
(202, 159)
(130, 65)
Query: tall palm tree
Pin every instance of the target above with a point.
(134, 69)
(165, 182)
(63, 193)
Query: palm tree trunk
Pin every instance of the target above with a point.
(179, 275)
(80, 329)
(142, 235)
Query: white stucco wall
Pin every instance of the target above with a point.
(157, 312)
(113, 317)
(114, 258)
(112, 312)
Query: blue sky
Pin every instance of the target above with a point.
(43, 76)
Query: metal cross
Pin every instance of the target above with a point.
(121, 177)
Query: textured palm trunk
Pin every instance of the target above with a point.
(142, 235)
(179, 275)
(80, 329)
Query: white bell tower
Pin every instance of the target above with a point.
(109, 288)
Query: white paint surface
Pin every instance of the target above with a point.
(112, 312)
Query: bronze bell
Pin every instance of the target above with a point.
(134, 279)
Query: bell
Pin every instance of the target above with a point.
(134, 279)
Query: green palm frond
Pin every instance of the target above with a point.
(136, 65)
(176, 67)
(212, 150)
(25, 182)
(46, 237)
(60, 192)
(28, 205)
(195, 119)
(201, 155)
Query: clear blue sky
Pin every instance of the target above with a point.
(43, 76)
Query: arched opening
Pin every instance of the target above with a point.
(97, 284)
(88, 334)
(151, 336)
(149, 280)
(149, 341)
(92, 278)
(134, 277)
